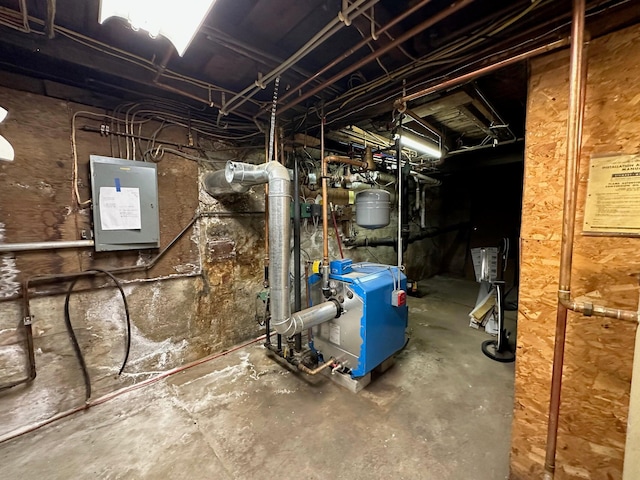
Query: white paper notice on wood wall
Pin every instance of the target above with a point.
(613, 196)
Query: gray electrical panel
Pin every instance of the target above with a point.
(125, 204)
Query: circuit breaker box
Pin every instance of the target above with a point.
(125, 204)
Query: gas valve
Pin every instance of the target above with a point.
(262, 306)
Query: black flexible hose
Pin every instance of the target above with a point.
(74, 340)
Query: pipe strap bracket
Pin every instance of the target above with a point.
(338, 307)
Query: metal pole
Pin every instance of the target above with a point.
(30, 246)
(297, 276)
(325, 221)
(399, 163)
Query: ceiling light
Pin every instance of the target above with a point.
(6, 150)
(420, 145)
(177, 21)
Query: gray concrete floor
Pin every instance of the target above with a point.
(443, 411)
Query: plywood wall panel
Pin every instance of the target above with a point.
(533, 363)
(599, 352)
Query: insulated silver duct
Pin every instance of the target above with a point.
(216, 185)
(279, 240)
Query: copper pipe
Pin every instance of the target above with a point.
(356, 8)
(574, 124)
(368, 157)
(325, 195)
(347, 160)
(577, 100)
(352, 50)
(315, 371)
(453, 8)
(401, 102)
(337, 196)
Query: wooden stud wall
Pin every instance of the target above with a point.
(599, 352)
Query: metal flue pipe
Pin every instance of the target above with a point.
(216, 185)
(277, 176)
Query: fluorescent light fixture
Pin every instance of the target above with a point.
(419, 145)
(6, 150)
(178, 21)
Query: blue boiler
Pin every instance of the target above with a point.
(370, 329)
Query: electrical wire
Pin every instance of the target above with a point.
(159, 152)
(137, 115)
(74, 340)
(428, 62)
(480, 36)
(335, 226)
(74, 149)
(8, 16)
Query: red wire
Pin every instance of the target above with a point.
(335, 225)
